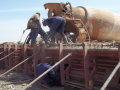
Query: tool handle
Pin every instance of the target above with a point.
(21, 38)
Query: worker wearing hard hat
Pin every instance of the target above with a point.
(56, 23)
(35, 25)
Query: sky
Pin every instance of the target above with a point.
(14, 14)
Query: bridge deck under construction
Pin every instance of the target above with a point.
(89, 65)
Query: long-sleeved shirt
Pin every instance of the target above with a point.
(50, 20)
(41, 68)
(32, 23)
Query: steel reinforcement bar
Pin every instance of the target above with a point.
(18, 64)
(7, 55)
(110, 77)
(2, 52)
(47, 70)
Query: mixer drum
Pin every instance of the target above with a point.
(103, 25)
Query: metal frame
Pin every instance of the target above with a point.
(94, 61)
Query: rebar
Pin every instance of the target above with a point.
(18, 64)
(7, 56)
(110, 77)
(2, 52)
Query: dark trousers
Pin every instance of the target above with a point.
(29, 38)
(34, 34)
(55, 81)
(58, 25)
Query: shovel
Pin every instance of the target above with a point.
(20, 39)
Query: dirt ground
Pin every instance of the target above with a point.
(17, 81)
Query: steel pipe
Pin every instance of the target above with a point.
(110, 77)
(2, 52)
(7, 56)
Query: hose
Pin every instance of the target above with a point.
(87, 15)
(25, 43)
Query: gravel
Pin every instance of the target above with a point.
(17, 81)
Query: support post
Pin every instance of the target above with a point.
(25, 56)
(5, 53)
(16, 57)
(119, 57)
(43, 53)
(86, 64)
(61, 65)
(35, 59)
(10, 57)
(92, 74)
(69, 67)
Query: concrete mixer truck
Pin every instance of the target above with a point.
(87, 23)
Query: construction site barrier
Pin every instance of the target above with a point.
(18, 64)
(7, 56)
(110, 77)
(47, 70)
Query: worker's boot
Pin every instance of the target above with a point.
(65, 40)
(53, 40)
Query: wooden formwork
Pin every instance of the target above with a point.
(87, 68)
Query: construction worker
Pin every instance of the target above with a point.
(51, 78)
(67, 33)
(56, 23)
(35, 25)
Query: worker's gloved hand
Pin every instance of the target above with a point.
(25, 30)
(18, 42)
